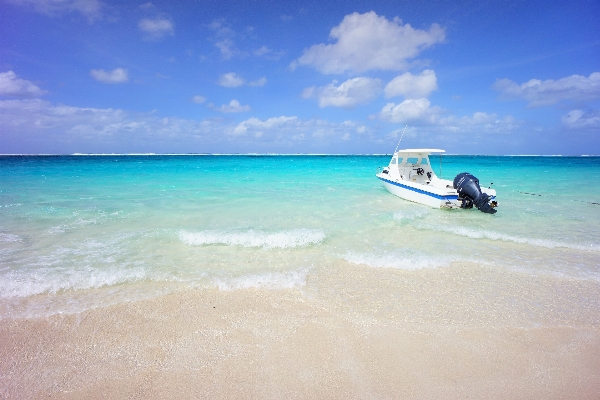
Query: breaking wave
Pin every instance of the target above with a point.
(481, 234)
(409, 261)
(25, 283)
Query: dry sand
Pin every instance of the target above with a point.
(351, 332)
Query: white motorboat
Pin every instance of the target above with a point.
(410, 176)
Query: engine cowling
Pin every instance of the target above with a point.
(470, 193)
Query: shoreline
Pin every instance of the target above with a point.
(352, 332)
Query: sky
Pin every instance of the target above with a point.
(500, 77)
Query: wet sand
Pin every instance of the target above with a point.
(351, 332)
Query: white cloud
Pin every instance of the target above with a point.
(226, 47)
(234, 106)
(367, 42)
(223, 40)
(268, 53)
(11, 85)
(199, 99)
(156, 28)
(257, 126)
(262, 51)
(230, 79)
(548, 92)
(582, 120)
(221, 30)
(479, 122)
(259, 82)
(349, 94)
(412, 86)
(410, 110)
(283, 129)
(89, 8)
(117, 75)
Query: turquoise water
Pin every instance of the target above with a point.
(79, 232)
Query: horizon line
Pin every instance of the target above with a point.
(278, 154)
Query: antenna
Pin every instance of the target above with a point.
(400, 139)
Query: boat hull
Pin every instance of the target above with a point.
(427, 195)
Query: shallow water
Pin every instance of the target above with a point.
(80, 232)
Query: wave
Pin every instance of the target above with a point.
(251, 238)
(54, 280)
(491, 235)
(408, 260)
(271, 280)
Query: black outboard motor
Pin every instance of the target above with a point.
(470, 193)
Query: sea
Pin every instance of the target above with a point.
(82, 232)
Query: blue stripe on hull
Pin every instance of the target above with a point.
(437, 196)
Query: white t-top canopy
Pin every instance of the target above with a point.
(421, 151)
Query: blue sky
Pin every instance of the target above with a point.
(472, 77)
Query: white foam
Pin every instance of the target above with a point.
(406, 260)
(9, 238)
(271, 280)
(31, 282)
(252, 238)
(481, 234)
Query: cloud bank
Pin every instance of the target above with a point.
(35, 125)
(40, 126)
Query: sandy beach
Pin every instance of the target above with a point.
(352, 332)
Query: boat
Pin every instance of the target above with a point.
(410, 176)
